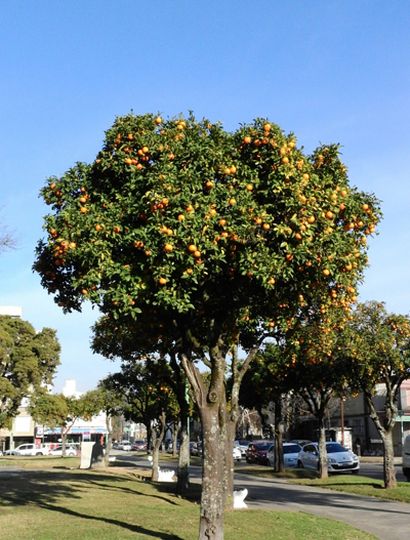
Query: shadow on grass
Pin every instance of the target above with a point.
(193, 494)
(47, 489)
(122, 524)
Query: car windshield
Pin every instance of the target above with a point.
(291, 449)
(263, 446)
(332, 448)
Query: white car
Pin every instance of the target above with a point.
(339, 458)
(28, 449)
(124, 445)
(237, 454)
(58, 451)
(290, 454)
(242, 445)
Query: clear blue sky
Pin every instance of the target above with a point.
(327, 70)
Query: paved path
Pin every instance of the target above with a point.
(387, 520)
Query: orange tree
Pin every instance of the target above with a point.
(315, 367)
(269, 380)
(377, 348)
(222, 234)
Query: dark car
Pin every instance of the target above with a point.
(139, 445)
(195, 448)
(257, 452)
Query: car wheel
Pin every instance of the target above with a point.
(39, 453)
(356, 471)
(300, 464)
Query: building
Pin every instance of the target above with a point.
(351, 417)
(13, 311)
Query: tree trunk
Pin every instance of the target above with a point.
(149, 435)
(386, 433)
(323, 468)
(64, 432)
(108, 423)
(279, 429)
(213, 484)
(175, 439)
(229, 436)
(389, 472)
(217, 429)
(183, 457)
(158, 433)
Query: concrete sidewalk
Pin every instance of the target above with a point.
(387, 520)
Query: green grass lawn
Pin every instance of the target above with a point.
(38, 462)
(361, 485)
(58, 501)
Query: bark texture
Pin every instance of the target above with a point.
(385, 427)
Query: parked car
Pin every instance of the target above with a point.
(257, 451)
(124, 445)
(406, 457)
(242, 444)
(195, 448)
(339, 458)
(301, 442)
(290, 454)
(28, 449)
(58, 450)
(139, 445)
(237, 454)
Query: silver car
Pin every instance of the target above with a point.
(339, 458)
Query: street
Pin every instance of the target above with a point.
(372, 469)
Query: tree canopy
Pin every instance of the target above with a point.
(377, 354)
(181, 214)
(28, 360)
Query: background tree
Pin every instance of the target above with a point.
(60, 411)
(6, 239)
(106, 399)
(148, 399)
(267, 381)
(28, 361)
(125, 338)
(212, 230)
(316, 369)
(377, 347)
